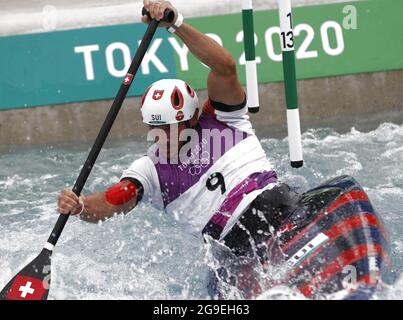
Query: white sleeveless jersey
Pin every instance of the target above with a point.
(211, 191)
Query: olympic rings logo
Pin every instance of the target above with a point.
(204, 162)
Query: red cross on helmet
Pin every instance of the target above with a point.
(169, 101)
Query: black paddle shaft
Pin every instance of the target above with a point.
(103, 134)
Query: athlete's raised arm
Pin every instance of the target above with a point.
(120, 198)
(223, 84)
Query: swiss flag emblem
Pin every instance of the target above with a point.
(26, 288)
(128, 79)
(158, 94)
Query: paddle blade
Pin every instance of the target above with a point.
(32, 282)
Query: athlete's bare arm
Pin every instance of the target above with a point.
(223, 84)
(98, 206)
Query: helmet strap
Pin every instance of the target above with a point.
(187, 124)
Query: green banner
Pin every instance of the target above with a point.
(89, 64)
(78, 65)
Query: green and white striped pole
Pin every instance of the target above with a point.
(290, 82)
(250, 55)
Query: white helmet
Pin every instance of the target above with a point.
(169, 101)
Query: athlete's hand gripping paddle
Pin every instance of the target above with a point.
(32, 282)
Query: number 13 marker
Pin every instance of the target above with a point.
(290, 82)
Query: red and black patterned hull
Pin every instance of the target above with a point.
(334, 245)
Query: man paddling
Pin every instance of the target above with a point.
(207, 168)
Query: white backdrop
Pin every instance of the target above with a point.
(32, 16)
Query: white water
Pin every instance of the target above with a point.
(146, 255)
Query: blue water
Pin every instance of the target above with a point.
(146, 254)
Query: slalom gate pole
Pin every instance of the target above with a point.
(250, 55)
(290, 83)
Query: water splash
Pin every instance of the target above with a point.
(148, 255)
